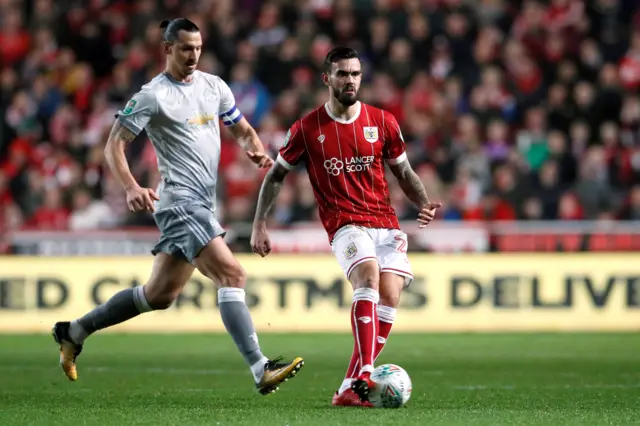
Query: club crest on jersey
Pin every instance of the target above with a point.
(371, 134)
(209, 95)
(321, 138)
(350, 251)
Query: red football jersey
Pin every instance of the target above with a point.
(345, 162)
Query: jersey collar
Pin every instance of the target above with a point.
(340, 120)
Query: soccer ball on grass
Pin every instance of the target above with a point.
(392, 387)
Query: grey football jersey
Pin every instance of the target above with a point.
(181, 120)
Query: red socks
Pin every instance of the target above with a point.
(354, 363)
(362, 303)
(386, 317)
(364, 325)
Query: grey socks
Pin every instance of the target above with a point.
(123, 306)
(237, 320)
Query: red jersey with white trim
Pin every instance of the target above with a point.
(345, 161)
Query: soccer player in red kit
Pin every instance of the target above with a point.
(344, 145)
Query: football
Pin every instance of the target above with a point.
(393, 387)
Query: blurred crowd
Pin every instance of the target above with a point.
(512, 110)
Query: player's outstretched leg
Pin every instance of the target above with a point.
(364, 322)
(386, 318)
(218, 263)
(391, 285)
(168, 277)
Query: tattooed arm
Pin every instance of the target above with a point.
(119, 137)
(269, 191)
(410, 183)
(138, 199)
(414, 190)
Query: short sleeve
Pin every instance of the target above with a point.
(293, 147)
(229, 113)
(394, 150)
(138, 112)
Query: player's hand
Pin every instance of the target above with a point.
(428, 213)
(141, 199)
(260, 158)
(260, 242)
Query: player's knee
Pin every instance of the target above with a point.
(160, 297)
(391, 287)
(367, 281)
(366, 275)
(370, 281)
(235, 277)
(389, 299)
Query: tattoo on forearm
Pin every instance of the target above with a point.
(269, 191)
(115, 156)
(119, 132)
(410, 183)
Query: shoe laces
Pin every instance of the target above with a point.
(275, 363)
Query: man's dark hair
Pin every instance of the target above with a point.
(172, 27)
(338, 54)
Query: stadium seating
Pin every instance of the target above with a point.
(512, 110)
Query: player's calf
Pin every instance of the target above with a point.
(217, 263)
(364, 317)
(391, 287)
(352, 370)
(159, 293)
(364, 277)
(160, 297)
(123, 306)
(386, 318)
(169, 274)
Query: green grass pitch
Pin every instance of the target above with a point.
(198, 379)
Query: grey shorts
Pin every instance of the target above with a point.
(185, 230)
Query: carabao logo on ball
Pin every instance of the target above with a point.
(387, 370)
(393, 386)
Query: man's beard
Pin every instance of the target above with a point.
(344, 98)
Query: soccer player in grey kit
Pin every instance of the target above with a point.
(179, 109)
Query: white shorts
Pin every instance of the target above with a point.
(353, 245)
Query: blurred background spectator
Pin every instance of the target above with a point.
(512, 110)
